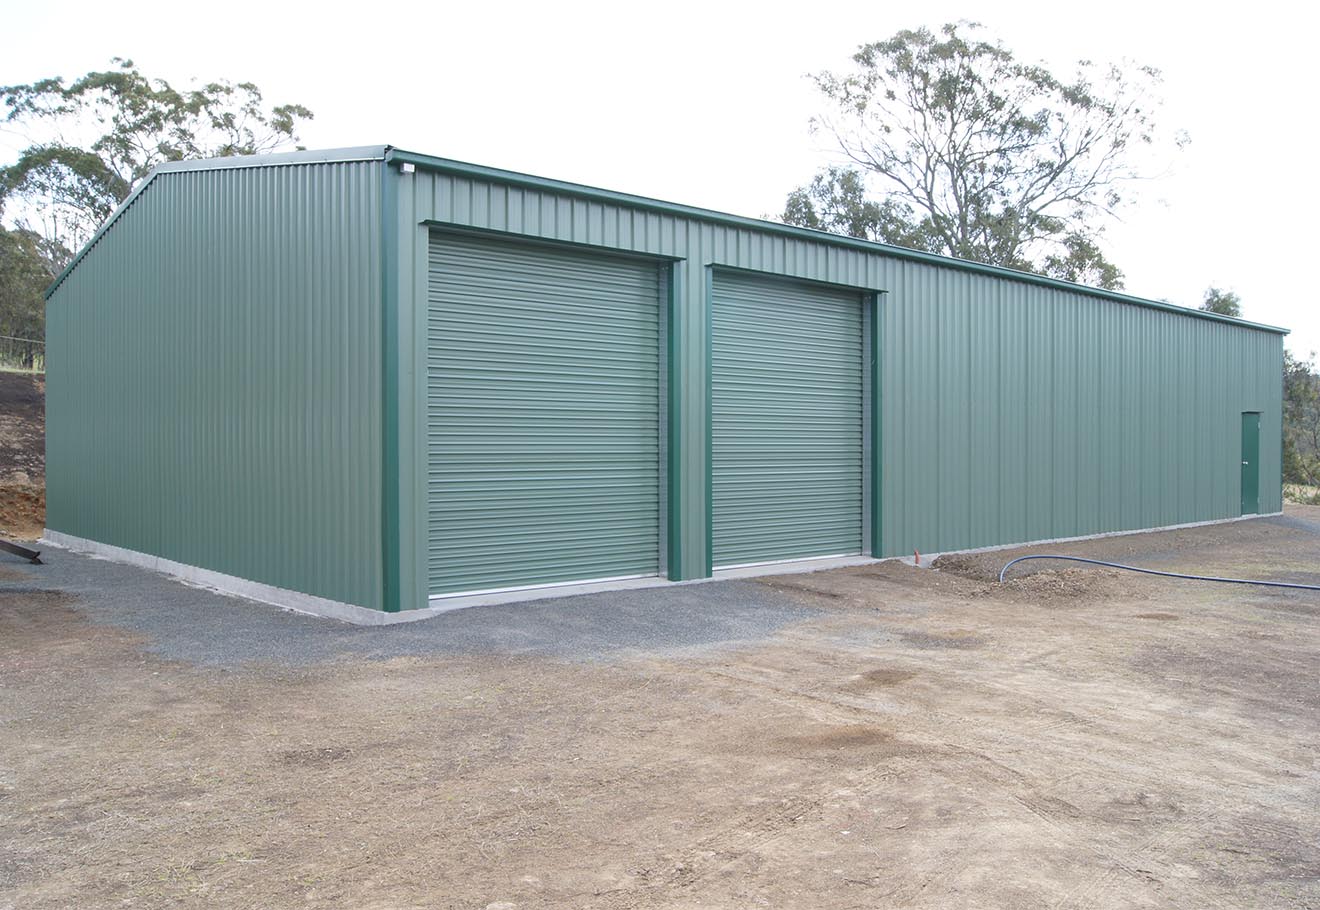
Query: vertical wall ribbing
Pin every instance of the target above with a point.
(1010, 411)
(214, 384)
(220, 376)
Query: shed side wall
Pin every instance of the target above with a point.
(1015, 413)
(214, 384)
(1009, 411)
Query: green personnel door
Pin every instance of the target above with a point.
(788, 404)
(544, 428)
(1250, 463)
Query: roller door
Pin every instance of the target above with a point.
(543, 415)
(787, 420)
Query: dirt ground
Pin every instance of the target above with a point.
(921, 738)
(22, 455)
(22, 511)
(22, 427)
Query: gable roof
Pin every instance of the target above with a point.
(390, 154)
(302, 156)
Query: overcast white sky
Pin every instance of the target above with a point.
(706, 103)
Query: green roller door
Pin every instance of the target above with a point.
(787, 420)
(543, 415)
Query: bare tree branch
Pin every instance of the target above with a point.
(996, 160)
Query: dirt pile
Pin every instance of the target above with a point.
(1071, 584)
(22, 428)
(973, 566)
(1040, 583)
(22, 511)
(22, 455)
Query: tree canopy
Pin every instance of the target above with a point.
(88, 143)
(1225, 303)
(24, 274)
(1301, 423)
(92, 139)
(955, 146)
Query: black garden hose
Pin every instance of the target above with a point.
(1118, 565)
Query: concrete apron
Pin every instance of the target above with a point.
(310, 604)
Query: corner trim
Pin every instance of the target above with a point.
(391, 343)
(874, 304)
(708, 301)
(673, 428)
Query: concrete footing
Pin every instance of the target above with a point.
(351, 613)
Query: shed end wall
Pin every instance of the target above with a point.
(214, 380)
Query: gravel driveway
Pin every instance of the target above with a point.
(868, 737)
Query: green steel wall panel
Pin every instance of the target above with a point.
(1010, 411)
(787, 403)
(1094, 416)
(544, 415)
(214, 385)
(224, 358)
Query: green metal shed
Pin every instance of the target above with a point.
(374, 385)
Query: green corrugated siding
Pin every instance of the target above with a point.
(787, 402)
(214, 382)
(217, 362)
(544, 415)
(1009, 411)
(1015, 414)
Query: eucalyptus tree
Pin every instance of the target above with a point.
(953, 145)
(87, 142)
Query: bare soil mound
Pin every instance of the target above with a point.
(23, 428)
(22, 511)
(1035, 579)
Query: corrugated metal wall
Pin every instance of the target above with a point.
(214, 382)
(219, 394)
(1014, 413)
(1009, 411)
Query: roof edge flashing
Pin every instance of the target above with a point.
(391, 154)
(276, 159)
(234, 162)
(480, 171)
